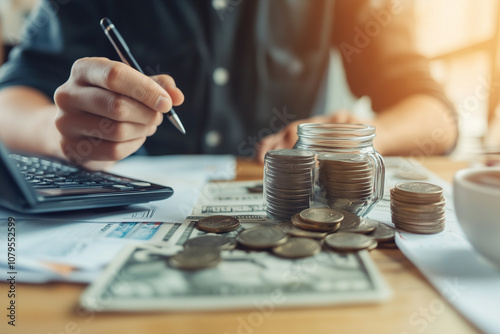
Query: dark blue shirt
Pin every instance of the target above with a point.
(246, 67)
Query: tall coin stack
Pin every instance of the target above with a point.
(288, 181)
(347, 181)
(418, 207)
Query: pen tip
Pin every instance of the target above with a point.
(177, 123)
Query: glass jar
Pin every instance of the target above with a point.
(350, 171)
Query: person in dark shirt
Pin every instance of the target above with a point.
(246, 73)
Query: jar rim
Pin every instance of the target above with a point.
(362, 129)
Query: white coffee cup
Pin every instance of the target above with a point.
(476, 193)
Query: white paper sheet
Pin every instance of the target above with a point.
(463, 277)
(57, 249)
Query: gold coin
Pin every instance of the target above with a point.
(262, 237)
(330, 228)
(383, 233)
(290, 229)
(218, 224)
(345, 241)
(366, 226)
(296, 248)
(350, 221)
(321, 216)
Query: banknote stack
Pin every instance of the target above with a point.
(347, 181)
(418, 207)
(288, 181)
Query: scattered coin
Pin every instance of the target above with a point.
(366, 226)
(351, 221)
(262, 237)
(373, 245)
(290, 229)
(327, 227)
(297, 248)
(210, 241)
(195, 259)
(383, 233)
(344, 241)
(218, 224)
(321, 216)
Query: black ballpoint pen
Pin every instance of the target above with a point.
(126, 56)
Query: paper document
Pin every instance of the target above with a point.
(56, 250)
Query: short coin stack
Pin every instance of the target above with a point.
(418, 207)
(288, 181)
(318, 220)
(348, 182)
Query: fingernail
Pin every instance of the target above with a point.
(163, 104)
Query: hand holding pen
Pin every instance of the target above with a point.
(107, 109)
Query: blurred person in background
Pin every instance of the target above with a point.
(242, 75)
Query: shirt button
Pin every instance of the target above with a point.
(220, 76)
(213, 138)
(220, 4)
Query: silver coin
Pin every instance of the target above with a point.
(321, 215)
(419, 188)
(366, 226)
(350, 221)
(347, 241)
(383, 233)
(262, 237)
(290, 229)
(296, 248)
(196, 258)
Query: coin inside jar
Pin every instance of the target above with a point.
(218, 224)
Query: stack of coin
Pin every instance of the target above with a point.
(418, 207)
(288, 181)
(347, 180)
(318, 220)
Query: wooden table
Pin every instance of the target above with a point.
(53, 308)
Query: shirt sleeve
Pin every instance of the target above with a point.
(55, 35)
(378, 50)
